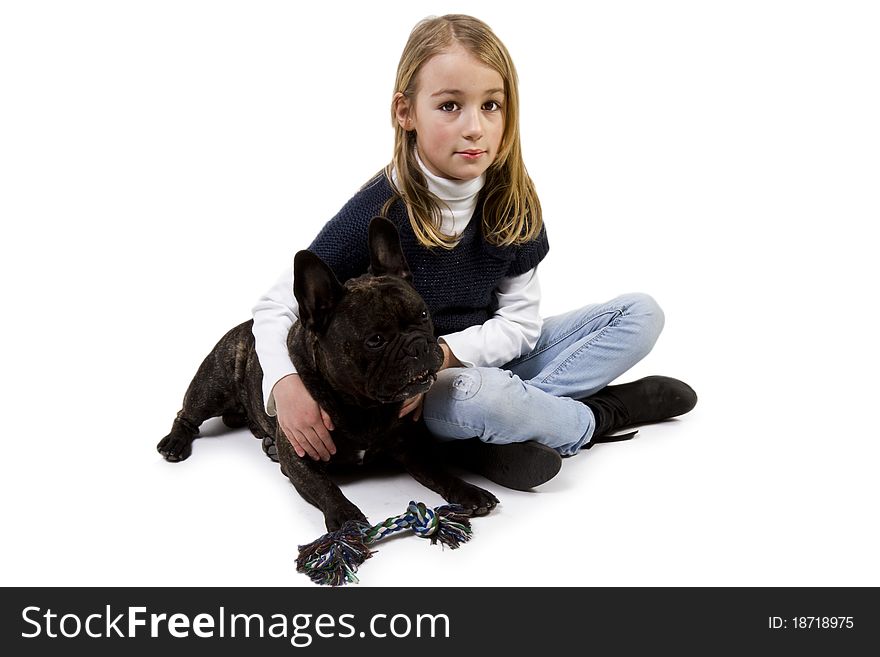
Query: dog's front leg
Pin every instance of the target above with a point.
(415, 456)
(311, 481)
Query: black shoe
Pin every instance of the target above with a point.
(647, 400)
(519, 466)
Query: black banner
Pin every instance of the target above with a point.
(437, 620)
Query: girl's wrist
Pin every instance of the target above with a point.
(449, 359)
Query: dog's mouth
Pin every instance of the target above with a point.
(422, 378)
(420, 382)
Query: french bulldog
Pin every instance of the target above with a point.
(361, 348)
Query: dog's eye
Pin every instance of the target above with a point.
(375, 341)
(424, 314)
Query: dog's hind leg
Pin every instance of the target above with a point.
(209, 395)
(236, 419)
(177, 445)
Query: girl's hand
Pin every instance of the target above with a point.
(449, 359)
(305, 424)
(413, 405)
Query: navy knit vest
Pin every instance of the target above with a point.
(457, 285)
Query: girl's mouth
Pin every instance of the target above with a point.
(471, 155)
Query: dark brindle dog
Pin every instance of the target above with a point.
(361, 350)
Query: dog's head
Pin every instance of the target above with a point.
(372, 337)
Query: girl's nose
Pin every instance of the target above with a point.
(472, 127)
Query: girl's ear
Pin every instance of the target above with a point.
(403, 111)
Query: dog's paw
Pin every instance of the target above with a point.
(477, 501)
(175, 448)
(271, 449)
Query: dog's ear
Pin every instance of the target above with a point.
(316, 289)
(386, 254)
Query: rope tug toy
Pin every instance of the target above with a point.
(334, 558)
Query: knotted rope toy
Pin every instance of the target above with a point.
(334, 558)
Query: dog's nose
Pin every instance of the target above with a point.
(415, 345)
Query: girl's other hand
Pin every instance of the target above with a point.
(413, 405)
(305, 424)
(449, 359)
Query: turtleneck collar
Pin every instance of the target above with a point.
(451, 190)
(460, 197)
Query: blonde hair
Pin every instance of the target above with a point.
(511, 209)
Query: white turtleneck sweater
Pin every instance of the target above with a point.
(511, 332)
(460, 197)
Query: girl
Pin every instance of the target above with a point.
(516, 392)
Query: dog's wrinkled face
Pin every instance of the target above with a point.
(372, 337)
(383, 339)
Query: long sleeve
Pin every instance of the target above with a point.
(512, 331)
(274, 314)
(342, 245)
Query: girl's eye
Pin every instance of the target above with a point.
(448, 107)
(492, 106)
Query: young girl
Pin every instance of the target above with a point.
(516, 392)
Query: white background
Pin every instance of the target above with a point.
(161, 162)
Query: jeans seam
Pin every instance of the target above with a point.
(564, 364)
(451, 424)
(457, 425)
(579, 327)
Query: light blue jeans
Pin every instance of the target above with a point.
(534, 397)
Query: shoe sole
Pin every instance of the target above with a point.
(518, 466)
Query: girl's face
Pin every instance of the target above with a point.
(457, 113)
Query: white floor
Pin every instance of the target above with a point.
(709, 499)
